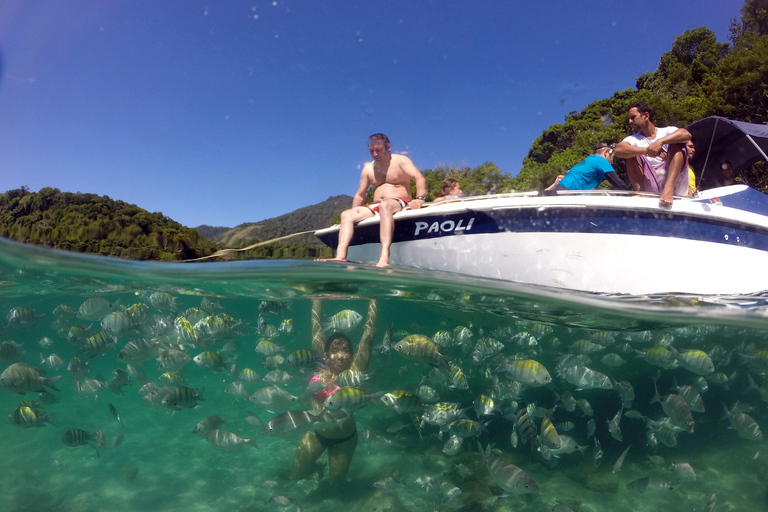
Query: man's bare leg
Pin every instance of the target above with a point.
(348, 220)
(634, 173)
(676, 162)
(387, 210)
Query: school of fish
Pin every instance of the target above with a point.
(523, 395)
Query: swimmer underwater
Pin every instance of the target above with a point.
(340, 436)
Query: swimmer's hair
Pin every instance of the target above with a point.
(725, 164)
(379, 137)
(447, 185)
(693, 140)
(604, 146)
(642, 107)
(337, 341)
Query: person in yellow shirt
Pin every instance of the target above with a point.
(691, 145)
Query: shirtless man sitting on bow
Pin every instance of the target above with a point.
(391, 177)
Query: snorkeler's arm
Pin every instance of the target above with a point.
(363, 355)
(318, 339)
(615, 181)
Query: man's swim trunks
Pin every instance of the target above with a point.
(374, 207)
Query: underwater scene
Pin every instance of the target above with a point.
(294, 385)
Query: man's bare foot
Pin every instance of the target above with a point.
(382, 264)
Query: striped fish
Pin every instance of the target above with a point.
(304, 358)
(98, 344)
(464, 427)
(695, 361)
(403, 401)
(421, 349)
(23, 318)
(508, 476)
(677, 409)
(548, 435)
(527, 371)
(182, 397)
(525, 427)
(349, 399)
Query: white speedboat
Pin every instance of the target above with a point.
(599, 241)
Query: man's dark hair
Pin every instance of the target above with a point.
(642, 107)
(693, 139)
(379, 137)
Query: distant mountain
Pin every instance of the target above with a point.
(316, 216)
(98, 225)
(211, 232)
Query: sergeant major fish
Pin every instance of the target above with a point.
(345, 320)
(527, 371)
(508, 476)
(228, 441)
(420, 349)
(25, 416)
(21, 377)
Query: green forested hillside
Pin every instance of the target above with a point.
(96, 224)
(309, 218)
(312, 217)
(211, 232)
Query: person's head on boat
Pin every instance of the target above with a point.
(450, 187)
(338, 352)
(691, 145)
(379, 146)
(605, 149)
(640, 117)
(727, 172)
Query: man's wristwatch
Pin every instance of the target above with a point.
(422, 197)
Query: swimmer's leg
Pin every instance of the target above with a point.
(340, 458)
(308, 451)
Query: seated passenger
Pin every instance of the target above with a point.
(655, 157)
(726, 171)
(692, 189)
(590, 172)
(449, 190)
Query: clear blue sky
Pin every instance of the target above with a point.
(228, 112)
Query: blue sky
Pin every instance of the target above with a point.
(228, 112)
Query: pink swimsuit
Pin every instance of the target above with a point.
(324, 393)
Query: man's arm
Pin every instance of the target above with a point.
(365, 182)
(615, 181)
(626, 150)
(406, 165)
(679, 136)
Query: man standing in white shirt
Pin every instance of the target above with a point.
(655, 157)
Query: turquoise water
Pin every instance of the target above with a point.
(161, 465)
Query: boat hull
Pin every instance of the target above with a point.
(602, 243)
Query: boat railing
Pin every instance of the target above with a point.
(554, 193)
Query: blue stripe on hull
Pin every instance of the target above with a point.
(566, 220)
